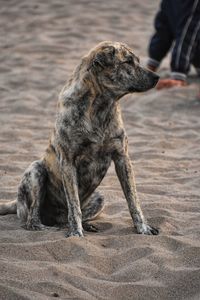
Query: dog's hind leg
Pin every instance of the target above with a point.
(31, 193)
(91, 209)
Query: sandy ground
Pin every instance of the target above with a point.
(41, 42)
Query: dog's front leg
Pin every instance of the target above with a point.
(70, 185)
(126, 177)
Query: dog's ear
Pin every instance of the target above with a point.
(104, 58)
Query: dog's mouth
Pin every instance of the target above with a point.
(139, 90)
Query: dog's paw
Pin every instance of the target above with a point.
(77, 233)
(31, 225)
(146, 229)
(89, 227)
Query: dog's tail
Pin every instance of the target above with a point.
(8, 208)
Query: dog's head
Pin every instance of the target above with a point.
(117, 67)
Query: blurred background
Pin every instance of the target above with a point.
(41, 41)
(40, 44)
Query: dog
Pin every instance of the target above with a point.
(60, 188)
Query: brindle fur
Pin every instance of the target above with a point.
(61, 187)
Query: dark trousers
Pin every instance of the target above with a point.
(178, 22)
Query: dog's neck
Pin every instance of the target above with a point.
(102, 109)
(92, 100)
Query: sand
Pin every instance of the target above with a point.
(41, 42)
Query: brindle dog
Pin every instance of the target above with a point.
(61, 187)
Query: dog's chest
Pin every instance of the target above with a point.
(92, 163)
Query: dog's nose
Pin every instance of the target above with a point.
(155, 79)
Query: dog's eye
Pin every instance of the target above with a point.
(128, 60)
